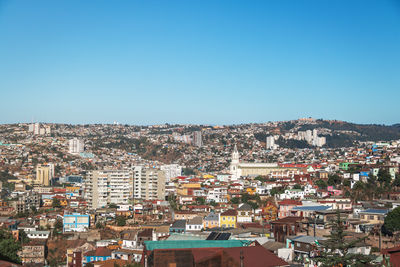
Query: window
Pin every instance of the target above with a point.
(371, 217)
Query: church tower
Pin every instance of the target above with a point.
(234, 167)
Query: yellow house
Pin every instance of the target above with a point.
(228, 219)
(251, 190)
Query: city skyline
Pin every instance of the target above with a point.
(199, 63)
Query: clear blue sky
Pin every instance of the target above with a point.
(217, 62)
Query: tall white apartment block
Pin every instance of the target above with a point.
(149, 183)
(76, 146)
(270, 142)
(104, 187)
(36, 129)
(171, 171)
(197, 139)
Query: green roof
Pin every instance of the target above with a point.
(170, 244)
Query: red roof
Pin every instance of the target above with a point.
(229, 213)
(289, 202)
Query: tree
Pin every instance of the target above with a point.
(23, 237)
(99, 225)
(58, 227)
(113, 206)
(235, 200)
(121, 220)
(9, 247)
(334, 179)
(347, 183)
(337, 247)
(392, 220)
(201, 201)
(384, 178)
(321, 184)
(276, 190)
(56, 203)
(297, 186)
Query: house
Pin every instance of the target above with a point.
(38, 234)
(304, 246)
(195, 224)
(129, 239)
(144, 235)
(392, 255)
(184, 215)
(228, 219)
(99, 254)
(285, 227)
(373, 216)
(76, 222)
(179, 226)
(285, 206)
(254, 256)
(244, 213)
(127, 254)
(211, 221)
(33, 252)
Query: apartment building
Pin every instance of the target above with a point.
(44, 174)
(103, 187)
(149, 183)
(76, 146)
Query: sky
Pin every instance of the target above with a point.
(200, 62)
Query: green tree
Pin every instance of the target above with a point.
(113, 206)
(58, 227)
(321, 184)
(384, 178)
(392, 220)
(235, 200)
(337, 247)
(56, 203)
(121, 220)
(346, 182)
(23, 237)
(297, 186)
(201, 201)
(9, 247)
(396, 181)
(276, 190)
(334, 179)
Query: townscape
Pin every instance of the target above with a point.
(306, 192)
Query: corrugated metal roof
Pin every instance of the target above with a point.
(170, 244)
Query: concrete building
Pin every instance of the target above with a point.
(149, 183)
(27, 201)
(76, 146)
(238, 169)
(103, 187)
(197, 139)
(171, 171)
(76, 222)
(44, 173)
(270, 142)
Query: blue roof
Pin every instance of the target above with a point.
(310, 208)
(379, 211)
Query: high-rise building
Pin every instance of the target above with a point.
(76, 146)
(104, 187)
(171, 171)
(270, 142)
(197, 139)
(36, 129)
(44, 174)
(149, 183)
